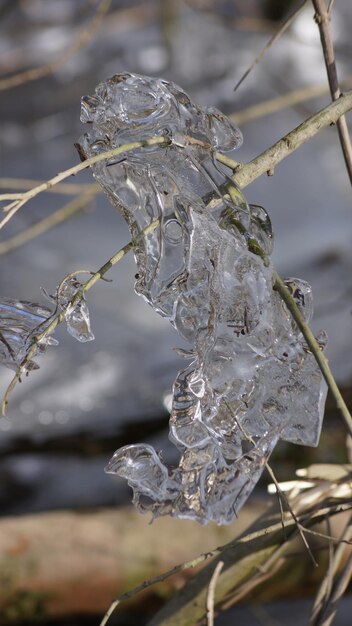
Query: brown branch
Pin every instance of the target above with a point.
(322, 18)
(83, 39)
(24, 197)
(267, 160)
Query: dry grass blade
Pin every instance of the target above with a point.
(331, 591)
(211, 593)
(270, 43)
(83, 39)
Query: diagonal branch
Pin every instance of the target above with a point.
(322, 18)
(267, 160)
(244, 173)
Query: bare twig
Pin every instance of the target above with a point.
(245, 558)
(267, 160)
(322, 18)
(14, 206)
(211, 593)
(83, 39)
(59, 316)
(59, 216)
(157, 579)
(68, 189)
(244, 173)
(284, 26)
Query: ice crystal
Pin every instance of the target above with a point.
(77, 316)
(252, 379)
(20, 322)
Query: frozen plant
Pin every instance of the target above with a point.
(24, 326)
(251, 379)
(20, 321)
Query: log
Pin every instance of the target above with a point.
(65, 563)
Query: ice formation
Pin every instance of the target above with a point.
(77, 316)
(21, 322)
(251, 379)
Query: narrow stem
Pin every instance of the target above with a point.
(322, 18)
(319, 356)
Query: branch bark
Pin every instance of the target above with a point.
(267, 160)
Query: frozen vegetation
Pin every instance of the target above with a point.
(251, 379)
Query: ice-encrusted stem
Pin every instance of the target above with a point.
(245, 173)
(59, 316)
(319, 356)
(14, 206)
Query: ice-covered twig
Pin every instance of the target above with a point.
(71, 306)
(245, 172)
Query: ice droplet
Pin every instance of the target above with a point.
(77, 316)
(251, 380)
(20, 322)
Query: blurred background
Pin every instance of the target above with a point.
(65, 421)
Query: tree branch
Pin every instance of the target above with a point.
(267, 160)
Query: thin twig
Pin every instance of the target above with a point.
(211, 593)
(157, 579)
(83, 39)
(42, 226)
(284, 26)
(68, 189)
(322, 18)
(301, 529)
(59, 316)
(244, 561)
(267, 160)
(13, 207)
(244, 173)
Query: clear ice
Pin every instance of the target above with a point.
(251, 379)
(21, 322)
(77, 316)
